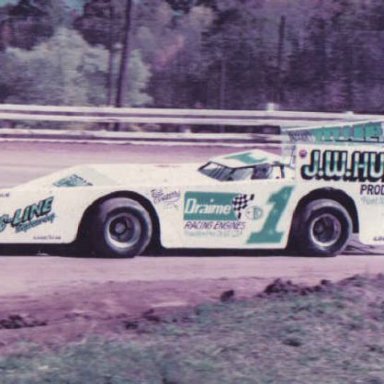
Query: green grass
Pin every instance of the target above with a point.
(334, 335)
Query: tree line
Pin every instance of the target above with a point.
(324, 55)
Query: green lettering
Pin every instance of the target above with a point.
(47, 205)
(26, 214)
(16, 218)
(36, 210)
(269, 233)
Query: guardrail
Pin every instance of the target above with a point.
(180, 117)
(163, 138)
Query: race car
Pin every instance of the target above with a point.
(312, 200)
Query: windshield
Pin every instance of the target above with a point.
(222, 173)
(256, 172)
(216, 171)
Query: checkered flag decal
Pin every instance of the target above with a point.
(240, 202)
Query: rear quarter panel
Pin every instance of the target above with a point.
(45, 215)
(358, 171)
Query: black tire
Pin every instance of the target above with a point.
(322, 228)
(119, 228)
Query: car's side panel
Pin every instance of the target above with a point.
(247, 214)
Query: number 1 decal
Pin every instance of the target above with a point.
(269, 233)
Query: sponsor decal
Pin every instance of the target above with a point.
(357, 166)
(72, 181)
(228, 214)
(218, 214)
(215, 206)
(240, 203)
(24, 219)
(47, 238)
(5, 195)
(349, 132)
(214, 225)
(378, 238)
(254, 213)
(372, 189)
(169, 199)
(372, 200)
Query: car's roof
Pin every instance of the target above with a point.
(247, 158)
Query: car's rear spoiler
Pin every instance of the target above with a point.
(359, 132)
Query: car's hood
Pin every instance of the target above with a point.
(130, 175)
(152, 174)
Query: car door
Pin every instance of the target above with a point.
(234, 214)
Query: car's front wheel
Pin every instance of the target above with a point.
(120, 227)
(323, 229)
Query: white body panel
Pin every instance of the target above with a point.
(194, 210)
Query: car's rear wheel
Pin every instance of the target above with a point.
(323, 228)
(120, 227)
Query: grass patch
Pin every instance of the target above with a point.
(327, 334)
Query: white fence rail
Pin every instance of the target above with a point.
(187, 125)
(181, 117)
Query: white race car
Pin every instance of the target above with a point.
(312, 200)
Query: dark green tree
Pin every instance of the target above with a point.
(30, 22)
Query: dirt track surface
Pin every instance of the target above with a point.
(53, 299)
(34, 275)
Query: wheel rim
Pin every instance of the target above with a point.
(123, 230)
(325, 230)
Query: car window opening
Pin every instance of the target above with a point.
(256, 172)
